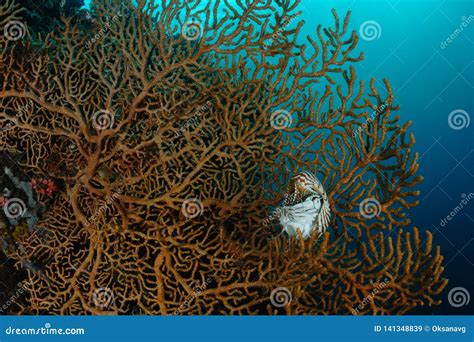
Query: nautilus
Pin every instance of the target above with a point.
(306, 206)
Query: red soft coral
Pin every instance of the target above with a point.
(43, 186)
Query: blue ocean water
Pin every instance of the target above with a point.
(431, 77)
(425, 48)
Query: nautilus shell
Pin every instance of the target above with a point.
(306, 207)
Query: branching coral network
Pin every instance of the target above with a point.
(148, 221)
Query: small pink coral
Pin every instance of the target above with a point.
(43, 186)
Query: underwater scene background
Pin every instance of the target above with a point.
(431, 78)
(423, 48)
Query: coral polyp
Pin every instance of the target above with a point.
(149, 208)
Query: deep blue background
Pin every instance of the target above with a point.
(429, 82)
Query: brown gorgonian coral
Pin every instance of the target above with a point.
(171, 131)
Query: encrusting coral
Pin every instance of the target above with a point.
(149, 216)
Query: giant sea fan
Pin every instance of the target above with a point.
(170, 220)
